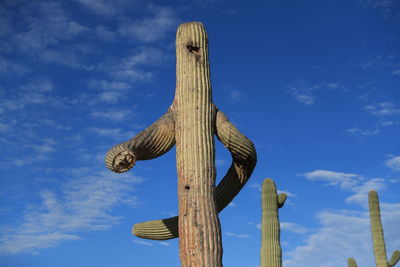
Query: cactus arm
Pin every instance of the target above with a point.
(152, 142)
(394, 259)
(271, 252)
(351, 262)
(281, 199)
(377, 230)
(158, 229)
(244, 159)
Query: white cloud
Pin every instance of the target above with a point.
(105, 34)
(164, 20)
(383, 109)
(47, 24)
(9, 67)
(100, 7)
(393, 163)
(305, 93)
(245, 236)
(343, 180)
(112, 115)
(344, 234)
(361, 190)
(142, 242)
(84, 204)
(362, 132)
(359, 185)
(293, 227)
(237, 96)
(115, 133)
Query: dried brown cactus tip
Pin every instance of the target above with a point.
(119, 159)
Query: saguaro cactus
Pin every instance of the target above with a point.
(351, 262)
(191, 122)
(377, 235)
(271, 252)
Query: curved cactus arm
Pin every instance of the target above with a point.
(394, 259)
(157, 229)
(244, 158)
(151, 143)
(281, 199)
(351, 262)
(271, 252)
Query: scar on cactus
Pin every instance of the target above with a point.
(378, 239)
(271, 252)
(190, 123)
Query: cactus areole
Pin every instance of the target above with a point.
(191, 123)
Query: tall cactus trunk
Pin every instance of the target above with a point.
(377, 234)
(271, 252)
(199, 227)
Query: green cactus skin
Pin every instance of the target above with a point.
(377, 234)
(244, 159)
(351, 262)
(378, 239)
(271, 252)
(191, 123)
(151, 143)
(200, 242)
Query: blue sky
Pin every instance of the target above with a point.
(314, 84)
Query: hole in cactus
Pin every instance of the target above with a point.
(192, 49)
(187, 188)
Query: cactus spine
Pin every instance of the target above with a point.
(271, 252)
(190, 123)
(378, 239)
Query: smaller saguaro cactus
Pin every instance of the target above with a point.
(351, 262)
(271, 252)
(377, 236)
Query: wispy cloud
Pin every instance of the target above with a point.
(383, 109)
(236, 96)
(393, 163)
(363, 132)
(101, 7)
(306, 93)
(114, 133)
(388, 8)
(343, 234)
(84, 204)
(111, 115)
(293, 227)
(245, 236)
(164, 20)
(358, 184)
(142, 242)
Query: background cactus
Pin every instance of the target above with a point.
(271, 252)
(377, 235)
(191, 123)
(351, 262)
